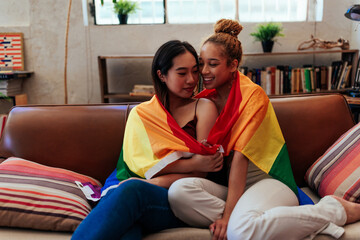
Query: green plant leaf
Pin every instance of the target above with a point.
(267, 32)
(125, 7)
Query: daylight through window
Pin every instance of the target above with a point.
(209, 11)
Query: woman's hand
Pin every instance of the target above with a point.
(218, 229)
(208, 163)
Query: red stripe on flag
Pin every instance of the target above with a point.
(220, 133)
(193, 145)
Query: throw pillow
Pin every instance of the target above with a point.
(337, 171)
(41, 197)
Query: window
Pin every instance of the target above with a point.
(275, 11)
(209, 11)
(199, 11)
(150, 12)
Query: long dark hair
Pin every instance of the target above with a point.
(163, 61)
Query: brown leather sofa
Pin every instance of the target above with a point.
(88, 138)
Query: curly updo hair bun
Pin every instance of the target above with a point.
(228, 26)
(226, 32)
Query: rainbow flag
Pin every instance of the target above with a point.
(152, 140)
(248, 124)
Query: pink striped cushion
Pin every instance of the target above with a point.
(337, 172)
(40, 197)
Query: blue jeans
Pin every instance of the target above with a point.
(128, 210)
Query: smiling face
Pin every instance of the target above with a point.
(182, 77)
(215, 68)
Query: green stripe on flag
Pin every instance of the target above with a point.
(281, 169)
(122, 170)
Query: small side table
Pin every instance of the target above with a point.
(354, 104)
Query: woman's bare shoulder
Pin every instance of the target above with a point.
(206, 108)
(205, 103)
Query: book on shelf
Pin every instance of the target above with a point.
(142, 90)
(282, 79)
(141, 94)
(11, 87)
(357, 76)
(13, 83)
(329, 77)
(342, 75)
(323, 78)
(343, 81)
(317, 78)
(307, 79)
(10, 92)
(244, 70)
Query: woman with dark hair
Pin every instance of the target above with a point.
(163, 62)
(161, 144)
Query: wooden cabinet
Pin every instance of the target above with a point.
(351, 56)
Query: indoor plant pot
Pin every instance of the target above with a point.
(266, 33)
(123, 18)
(267, 45)
(123, 8)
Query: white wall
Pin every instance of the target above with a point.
(43, 23)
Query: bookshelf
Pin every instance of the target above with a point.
(351, 56)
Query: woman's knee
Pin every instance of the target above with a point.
(181, 192)
(131, 190)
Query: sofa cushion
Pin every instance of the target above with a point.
(41, 197)
(337, 171)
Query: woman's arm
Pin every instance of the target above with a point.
(237, 183)
(197, 165)
(206, 114)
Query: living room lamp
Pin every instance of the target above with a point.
(353, 12)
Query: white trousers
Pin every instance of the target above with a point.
(267, 210)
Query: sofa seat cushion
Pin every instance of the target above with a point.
(180, 234)
(41, 197)
(337, 171)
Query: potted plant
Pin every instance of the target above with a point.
(266, 33)
(123, 8)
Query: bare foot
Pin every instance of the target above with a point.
(352, 209)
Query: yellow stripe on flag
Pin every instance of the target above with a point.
(268, 139)
(139, 158)
(252, 113)
(160, 136)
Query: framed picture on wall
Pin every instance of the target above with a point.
(11, 51)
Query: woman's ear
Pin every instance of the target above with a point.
(162, 78)
(234, 65)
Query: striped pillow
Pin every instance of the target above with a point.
(40, 197)
(337, 172)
